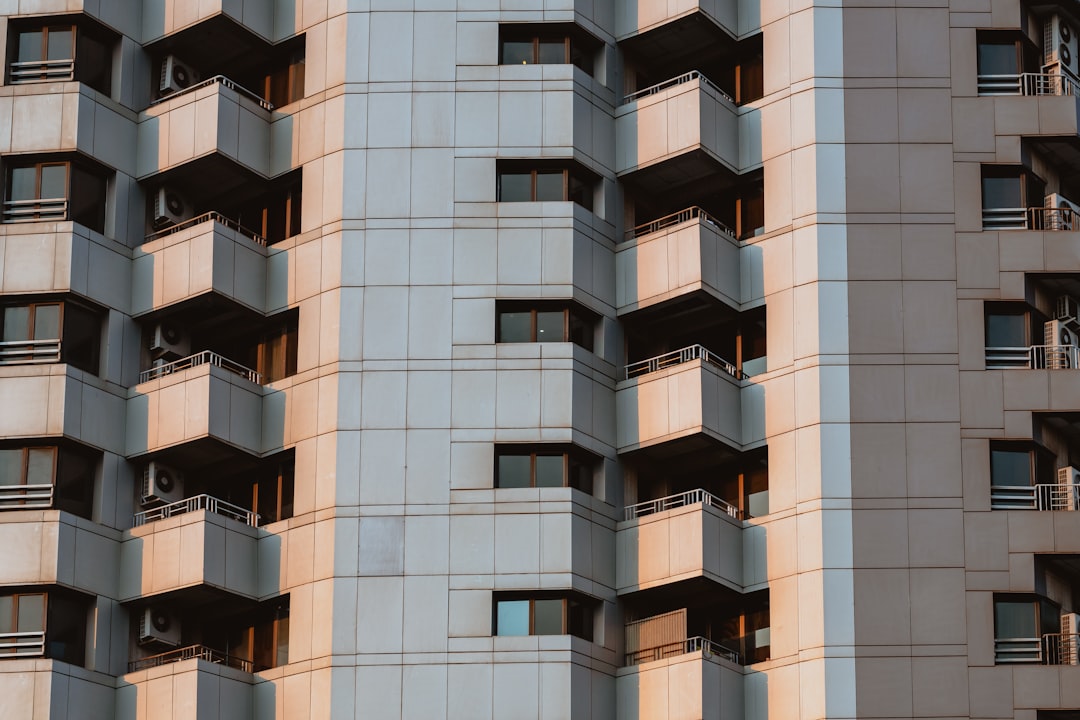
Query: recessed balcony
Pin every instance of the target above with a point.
(677, 132)
(213, 135)
(199, 542)
(687, 393)
(683, 253)
(690, 535)
(207, 254)
(204, 406)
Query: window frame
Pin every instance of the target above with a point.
(59, 209)
(579, 47)
(570, 603)
(62, 353)
(571, 457)
(572, 314)
(578, 184)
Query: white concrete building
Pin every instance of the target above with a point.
(407, 359)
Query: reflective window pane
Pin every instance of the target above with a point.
(552, 52)
(7, 619)
(39, 466)
(549, 326)
(11, 461)
(1014, 619)
(60, 43)
(549, 185)
(512, 617)
(549, 470)
(1006, 330)
(547, 617)
(998, 59)
(47, 322)
(1002, 192)
(23, 184)
(53, 181)
(515, 327)
(1010, 467)
(515, 187)
(517, 52)
(513, 471)
(31, 613)
(30, 46)
(17, 323)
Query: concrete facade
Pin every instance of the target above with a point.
(577, 359)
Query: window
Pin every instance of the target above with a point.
(748, 631)
(545, 183)
(49, 332)
(519, 322)
(1007, 192)
(1016, 468)
(61, 51)
(516, 614)
(546, 45)
(750, 211)
(267, 488)
(260, 637)
(47, 476)
(1020, 621)
(1001, 57)
(275, 214)
(749, 79)
(56, 190)
(43, 625)
(284, 83)
(524, 467)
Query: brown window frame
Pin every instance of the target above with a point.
(578, 185)
(569, 605)
(36, 207)
(571, 314)
(571, 457)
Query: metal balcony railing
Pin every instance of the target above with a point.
(26, 497)
(1044, 496)
(32, 71)
(239, 89)
(206, 357)
(22, 644)
(1033, 84)
(198, 502)
(706, 647)
(690, 497)
(35, 210)
(1036, 357)
(678, 218)
(684, 78)
(191, 652)
(29, 352)
(211, 216)
(1050, 649)
(1034, 218)
(677, 357)
(1017, 650)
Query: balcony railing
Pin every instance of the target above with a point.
(690, 497)
(1036, 357)
(239, 89)
(206, 357)
(684, 78)
(26, 497)
(706, 647)
(1034, 218)
(29, 352)
(191, 652)
(1027, 84)
(1017, 650)
(1044, 496)
(42, 71)
(22, 644)
(35, 210)
(678, 218)
(198, 502)
(677, 357)
(1050, 649)
(208, 217)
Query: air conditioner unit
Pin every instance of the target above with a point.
(1068, 496)
(1068, 311)
(176, 75)
(170, 341)
(1070, 648)
(1061, 345)
(171, 208)
(161, 484)
(1068, 217)
(1059, 46)
(158, 626)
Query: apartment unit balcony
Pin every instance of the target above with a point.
(1034, 357)
(687, 393)
(1045, 219)
(189, 683)
(202, 406)
(694, 679)
(690, 535)
(200, 542)
(207, 254)
(184, 21)
(679, 254)
(214, 136)
(677, 132)
(1028, 84)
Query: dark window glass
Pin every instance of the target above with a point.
(61, 43)
(1006, 330)
(514, 471)
(41, 192)
(515, 327)
(998, 58)
(517, 52)
(548, 617)
(81, 345)
(31, 46)
(550, 470)
(17, 322)
(1002, 192)
(1010, 467)
(543, 616)
(549, 186)
(552, 52)
(751, 212)
(1014, 619)
(751, 81)
(522, 467)
(515, 187)
(47, 321)
(549, 326)
(284, 84)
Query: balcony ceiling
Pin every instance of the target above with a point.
(217, 46)
(211, 177)
(681, 42)
(682, 173)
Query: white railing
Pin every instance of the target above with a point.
(208, 217)
(240, 89)
(1034, 218)
(198, 502)
(1033, 84)
(42, 71)
(1036, 357)
(1044, 496)
(706, 647)
(29, 352)
(677, 357)
(191, 652)
(678, 218)
(26, 497)
(1061, 649)
(684, 78)
(35, 210)
(1050, 649)
(206, 357)
(22, 644)
(690, 497)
